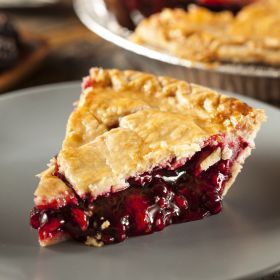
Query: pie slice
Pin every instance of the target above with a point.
(141, 152)
(205, 36)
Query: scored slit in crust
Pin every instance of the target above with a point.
(141, 152)
(205, 36)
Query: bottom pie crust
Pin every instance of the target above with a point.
(58, 238)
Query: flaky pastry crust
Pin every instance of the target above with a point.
(128, 122)
(251, 36)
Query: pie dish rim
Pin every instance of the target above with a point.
(105, 26)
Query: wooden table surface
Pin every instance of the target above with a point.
(73, 48)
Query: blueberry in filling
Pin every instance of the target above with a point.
(178, 192)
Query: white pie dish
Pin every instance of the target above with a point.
(261, 82)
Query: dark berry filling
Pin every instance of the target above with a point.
(87, 82)
(178, 192)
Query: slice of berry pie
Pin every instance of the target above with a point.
(140, 153)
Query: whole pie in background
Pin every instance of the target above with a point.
(140, 153)
(250, 36)
(125, 10)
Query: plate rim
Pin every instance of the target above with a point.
(260, 274)
(32, 89)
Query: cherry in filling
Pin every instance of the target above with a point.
(178, 192)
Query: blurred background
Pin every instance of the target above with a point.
(43, 41)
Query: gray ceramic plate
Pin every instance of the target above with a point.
(243, 241)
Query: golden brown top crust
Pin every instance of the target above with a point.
(129, 122)
(51, 187)
(201, 35)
